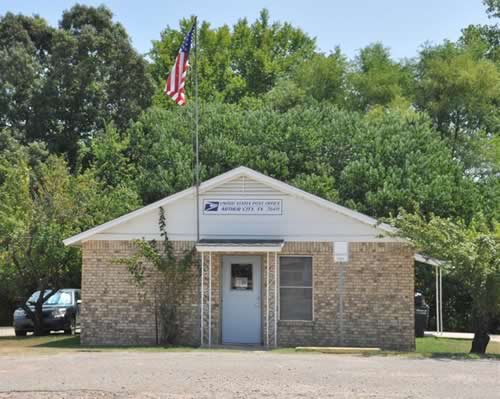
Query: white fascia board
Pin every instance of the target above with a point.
(428, 260)
(238, 248)
(289, 238)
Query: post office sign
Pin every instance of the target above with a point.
(242, 207)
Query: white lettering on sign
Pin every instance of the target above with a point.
(242, 207)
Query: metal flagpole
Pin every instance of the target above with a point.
(196, 122)
(197, 181)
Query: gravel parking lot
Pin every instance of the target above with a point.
(217, 374)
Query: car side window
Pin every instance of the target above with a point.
(77, 296)
(65, 298)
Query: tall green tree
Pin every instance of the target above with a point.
(492, 8)
(323, 77)
(471, 253)
(376, 163)
(461, 93)
(60, 85)
(245, 60)
(375, 79)
(41, 205)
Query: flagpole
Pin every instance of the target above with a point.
(196, 122)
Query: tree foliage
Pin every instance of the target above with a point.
(60, 85)
(172, 274)
(375, 163)
(40, 205)
(376, 79)
(472, 254)
(372, 133)
(461, 94)
(245, 60)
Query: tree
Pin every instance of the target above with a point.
(492, 8)
(398, 161)
(245, 60)
(461, 93)
(323, 77)
(39, 207)
(376, 163)
(376, 79)
(483, 41)
(110, 158)
(471, 253)
(61, 85)
(174, 277)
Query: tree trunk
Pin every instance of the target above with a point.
(481, 337)
(480, 342)
(36, 316)
(38, 320)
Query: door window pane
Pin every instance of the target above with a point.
(241, 276)
(296, 288)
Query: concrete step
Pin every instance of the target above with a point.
(336, 349)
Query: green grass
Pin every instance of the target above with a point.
(449, 347)
(53, 344)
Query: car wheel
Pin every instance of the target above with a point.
(72, 327)
(20, 333)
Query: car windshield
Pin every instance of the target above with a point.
(59, 298)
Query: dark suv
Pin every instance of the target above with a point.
(60, 312)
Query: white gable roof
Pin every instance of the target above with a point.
(226, 182)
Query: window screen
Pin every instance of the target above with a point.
(295, 288)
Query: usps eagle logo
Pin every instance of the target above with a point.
(211, 206)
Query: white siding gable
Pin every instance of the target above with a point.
(242, 186)
(299, 216)
(301, 220)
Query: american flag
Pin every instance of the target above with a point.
(177, 77)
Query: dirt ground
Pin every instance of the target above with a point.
(243, 374)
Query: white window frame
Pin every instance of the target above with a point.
(312, 287)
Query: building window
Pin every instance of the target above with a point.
(296, 288)
(241, 276)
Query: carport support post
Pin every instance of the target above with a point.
(438, 319)
(210, 299)
(267, 300)
(441, 298)
(275, 299)
(201, 297)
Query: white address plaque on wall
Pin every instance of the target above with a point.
(242, 207)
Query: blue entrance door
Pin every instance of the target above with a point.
(241, 300)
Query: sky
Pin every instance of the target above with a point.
(402, 25)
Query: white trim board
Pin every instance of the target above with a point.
(218, 180)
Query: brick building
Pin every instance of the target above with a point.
(279, 267)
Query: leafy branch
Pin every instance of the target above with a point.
(173, 275)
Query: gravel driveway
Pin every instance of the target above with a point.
(243, 375)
